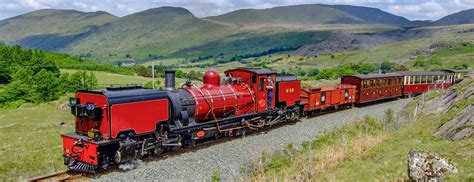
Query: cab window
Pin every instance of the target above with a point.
(253, 79)
(262, 84)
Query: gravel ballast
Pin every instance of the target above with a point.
(230, 158)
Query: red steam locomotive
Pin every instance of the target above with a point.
(120, 124)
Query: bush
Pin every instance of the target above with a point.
(386, 66)
(313, 72)
(150, 84)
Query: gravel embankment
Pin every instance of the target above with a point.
(231, 157)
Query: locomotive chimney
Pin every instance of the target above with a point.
(169, 79)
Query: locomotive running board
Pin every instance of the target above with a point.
(233, 120)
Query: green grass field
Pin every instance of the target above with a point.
(30, 140)
(106, 79)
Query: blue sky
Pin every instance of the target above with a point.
(411, 9)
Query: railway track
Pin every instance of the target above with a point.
(59, 176)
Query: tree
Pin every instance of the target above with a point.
(48, 86)
(301, 72)
(386, 66)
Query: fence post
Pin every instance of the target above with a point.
(153, 74)
(416, 111)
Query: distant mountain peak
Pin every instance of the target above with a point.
(312, 14)
(179, 11)
(462, 17)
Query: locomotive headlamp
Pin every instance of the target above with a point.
(73, 101)
(93, 134)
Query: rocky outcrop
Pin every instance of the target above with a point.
(428, 166)
(460, 127)
(445, 102)
(357, 41)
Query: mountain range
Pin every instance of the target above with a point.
(176, 32)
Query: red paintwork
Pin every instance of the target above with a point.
(423, 87)
(260, 95)
(375, 91)
(88, 153)
(212, 77)
(140, 117)
(335, 96)
(87, 124)
(213, 102)
(289, 92)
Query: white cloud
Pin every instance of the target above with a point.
(412, 9)
(426, 10)
(431, 9)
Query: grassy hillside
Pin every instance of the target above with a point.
(252, 43)
(462, 17)
(62, 26)
(373, 15)
(311, 14)
(149, 34)
(298, 14)
(166, 32)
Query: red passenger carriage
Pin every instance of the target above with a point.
(423, 81)
(373, 87)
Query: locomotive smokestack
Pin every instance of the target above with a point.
(169, 79)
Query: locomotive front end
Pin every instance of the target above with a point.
(81, 149)
(114, 126)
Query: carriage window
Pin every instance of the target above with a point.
(323, 97)
(346, 93)
(417, 79)
(423, 79)
(262, 84)
(389, 82)
(372, 83)
(364, 83)
(253, 79)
